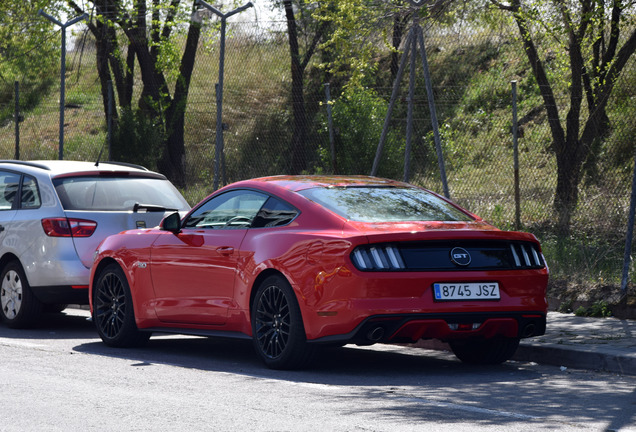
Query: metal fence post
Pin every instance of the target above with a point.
(62, 70)
(409, 114)
(433, 110)
(515, 151)
(17, 121)
(394, 95)
(219, 88)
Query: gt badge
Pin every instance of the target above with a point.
(460, 256)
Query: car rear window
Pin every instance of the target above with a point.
(117, 193)
(385, 204)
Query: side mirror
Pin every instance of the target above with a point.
(171, 223)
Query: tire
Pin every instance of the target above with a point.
(278, 333)
(20, 307)
(485, 351)
(113, 312)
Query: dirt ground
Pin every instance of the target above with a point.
(570, 296)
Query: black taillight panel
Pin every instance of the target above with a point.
(437, 256)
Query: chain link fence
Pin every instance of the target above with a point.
(472, 71)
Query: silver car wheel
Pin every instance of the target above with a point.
(11, 294)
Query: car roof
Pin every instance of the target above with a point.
(60, 167)
(297, 183)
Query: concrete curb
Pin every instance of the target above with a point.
(571, 357)
(608, 360)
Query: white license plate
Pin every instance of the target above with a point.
(466, 291)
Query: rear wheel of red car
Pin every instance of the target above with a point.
(20, 307)
(485, 351)
(113, 312)
(277, 326)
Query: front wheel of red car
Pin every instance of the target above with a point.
(485, 351)
(277, 326)
(113, 312)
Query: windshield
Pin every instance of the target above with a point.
(117, 193)
(385, 204)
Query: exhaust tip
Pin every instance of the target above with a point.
(375, 334)
(529, 330)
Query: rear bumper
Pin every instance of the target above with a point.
(405, 328)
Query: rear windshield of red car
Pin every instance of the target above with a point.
(385, 204)
(108, 193)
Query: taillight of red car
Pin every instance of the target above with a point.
(68, 227)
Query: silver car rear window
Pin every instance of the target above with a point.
(102, 193)
(385, 204)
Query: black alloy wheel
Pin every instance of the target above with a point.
(277, 326)
(113, 312)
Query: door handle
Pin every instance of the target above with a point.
(225, 250)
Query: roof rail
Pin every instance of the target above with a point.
(25, 163)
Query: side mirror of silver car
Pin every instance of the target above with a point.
(171, 223)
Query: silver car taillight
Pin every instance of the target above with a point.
(68, 227)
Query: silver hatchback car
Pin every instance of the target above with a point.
(54, 214)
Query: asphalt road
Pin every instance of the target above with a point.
(60, 377)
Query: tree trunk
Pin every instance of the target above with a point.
(567, 190)
(172, 163)
(299, 134)
(103, 71)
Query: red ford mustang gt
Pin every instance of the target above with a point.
(293, 262)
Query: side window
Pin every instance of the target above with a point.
(235, 209)
(274, 213)
(30, 196)
(9, 183)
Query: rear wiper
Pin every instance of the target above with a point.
(151, 208)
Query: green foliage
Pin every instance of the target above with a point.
(350, 45)
(600, 309)
(29, 52)
(135, 139)
(587, 256)
(358, 117)
(565, 306)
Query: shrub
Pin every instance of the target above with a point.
(358, 118)
(137, 139)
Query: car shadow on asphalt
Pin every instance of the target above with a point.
(348, 365)
(68, 324)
